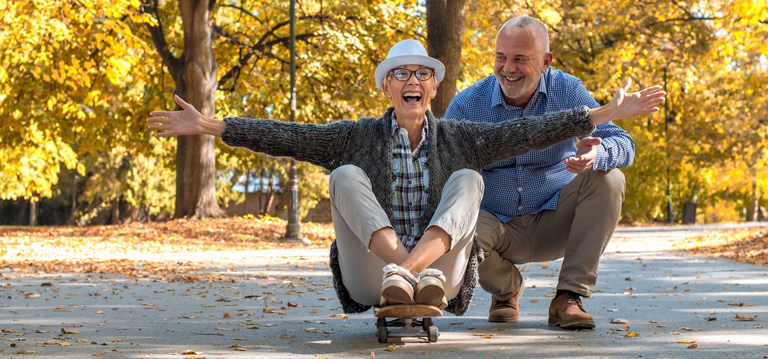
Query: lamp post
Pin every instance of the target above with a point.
(667, 49)
(292, 230)
(666, 147)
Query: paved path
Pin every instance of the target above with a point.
(281, 304)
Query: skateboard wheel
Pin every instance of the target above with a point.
(381, 322)
(433, 334)
(382, 334)
(426, 323)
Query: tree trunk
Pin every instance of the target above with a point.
(755, 201)
(33, 211)
(20, 218)
(270, 193)
(247, 189)
(73, 208)
(194, 74)
(135, 214)
(445, 28)
(115, 210)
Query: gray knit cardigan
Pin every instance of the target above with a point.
(367, 143)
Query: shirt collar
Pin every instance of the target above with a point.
(424, 130)
(497, 97)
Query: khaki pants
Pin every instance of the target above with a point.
(577, 231)
(357, 214)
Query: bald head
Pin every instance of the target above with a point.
(526, 23)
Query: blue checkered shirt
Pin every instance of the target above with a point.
(531, 183)
(410, 185)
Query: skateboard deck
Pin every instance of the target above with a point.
(414, 319)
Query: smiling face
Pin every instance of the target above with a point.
(520, 61)
(410, 98)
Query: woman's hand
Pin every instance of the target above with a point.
(626, 105)
(188, 121)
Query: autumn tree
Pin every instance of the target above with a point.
(64, 66)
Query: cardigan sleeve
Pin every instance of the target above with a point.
(497, 141)
(322, 145)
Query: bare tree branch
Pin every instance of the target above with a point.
(158, 39)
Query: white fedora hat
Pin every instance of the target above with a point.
(408, 52)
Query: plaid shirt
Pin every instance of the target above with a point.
(531, 183)
(410, 185)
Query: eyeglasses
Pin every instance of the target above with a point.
(422, 74)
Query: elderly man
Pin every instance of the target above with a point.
(559, 202)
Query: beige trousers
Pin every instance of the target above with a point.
(577, 231)
(357, 214)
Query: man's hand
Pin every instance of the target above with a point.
(585, 155)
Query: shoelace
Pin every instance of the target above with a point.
(574, 299)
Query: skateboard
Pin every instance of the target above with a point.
(407, 316)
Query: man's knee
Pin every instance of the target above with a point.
(487, 231)
(608, 182)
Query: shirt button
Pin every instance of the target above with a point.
(410, 203)
(520, 208)
(519, 189)
(410, 182)
(412, 225)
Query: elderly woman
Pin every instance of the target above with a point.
(404, 187)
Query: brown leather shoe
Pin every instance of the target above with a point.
(567, 311)
(506, 311)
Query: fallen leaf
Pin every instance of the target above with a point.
(390, 348)
(745, 317)
(228, 315)
(693, 346)
(687, 341)
(631, 335)
(63, 331)
(26, 352)
(188, 352)
(225, 329)
(619, 321)
(313, 330)
(487, 336)
(287, 336)
(342, 316)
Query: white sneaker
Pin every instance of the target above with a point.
(398, 285)
(430, 288)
